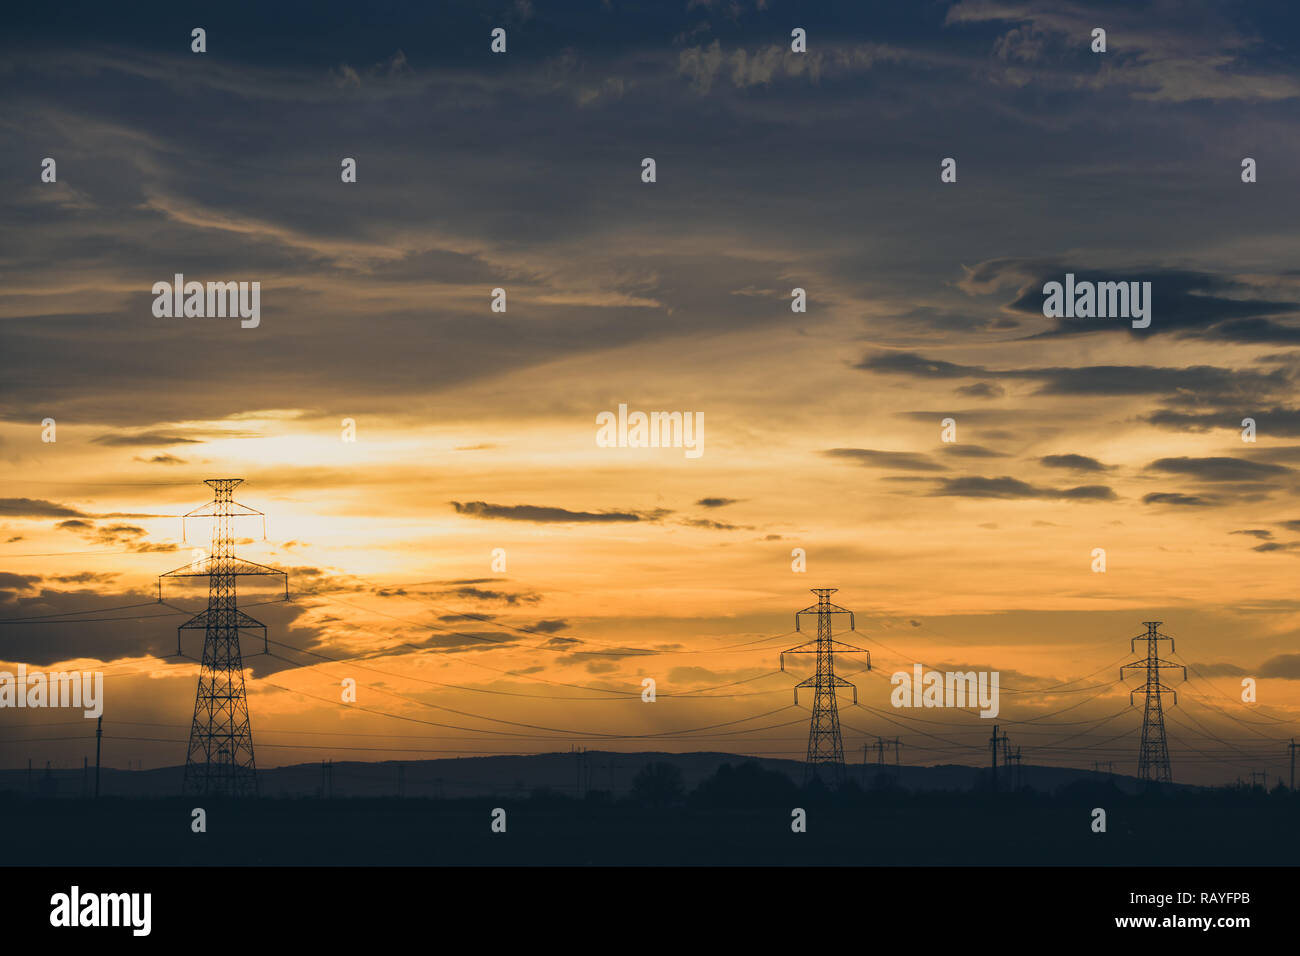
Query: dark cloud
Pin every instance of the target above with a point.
(36, 508)
(1223, 669)
(715, 525)
(960, 450)
(1073, 462)
(85, 577)
(1008, 487)
(716, 502)
(18, 582)
(1275, 421)
(1218, 469)
(871, 458)
(1285, 666)
(456, 641)
(143, 438)
(485, 594)
(543, 515)
(1188, 302)
(1180, 500)
(1206, 383)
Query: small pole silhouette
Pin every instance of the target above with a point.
(994, 743)
(99, 736)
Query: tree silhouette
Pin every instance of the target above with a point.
(658, 784)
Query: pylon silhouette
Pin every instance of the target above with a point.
(825, 745)
(1153, 761)
(220, 756)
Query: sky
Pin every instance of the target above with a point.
(475, 430)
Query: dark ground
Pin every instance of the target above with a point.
(1243, 828)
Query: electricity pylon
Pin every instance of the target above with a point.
(825, 745)
(220, 756)
(1153, 762)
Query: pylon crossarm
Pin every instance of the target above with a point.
(210, 510)
(195, 569)
(809, 648)
(823, 608)
(841, 682)
(202, 620)
(848, 648)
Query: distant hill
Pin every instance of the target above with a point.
(569, 774)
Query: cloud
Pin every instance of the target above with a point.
(1219, 469)
(544, 515)
(36, 508)
(1223, 669)
(1277, 420)
(715, 525)
(1285, 666)
(962, 450)
(1073, 462)
(1008, 487)
(486, 594)
(872, 458)
(143, 438)
(716, 502)
(1180, 500)
(1205, 382)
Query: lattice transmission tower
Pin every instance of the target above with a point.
(220, 756)
(1153, 761)
(825, 745)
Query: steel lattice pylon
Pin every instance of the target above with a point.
(220, 756)
(1153, 761)
(825, 745)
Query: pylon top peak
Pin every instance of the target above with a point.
(229, 482)
(1152, 623)
(823, 592)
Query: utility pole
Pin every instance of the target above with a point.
(994, 741)
(220, 754)
(99, 736)
(580, 766)
(1153, 761)
(825, 745)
